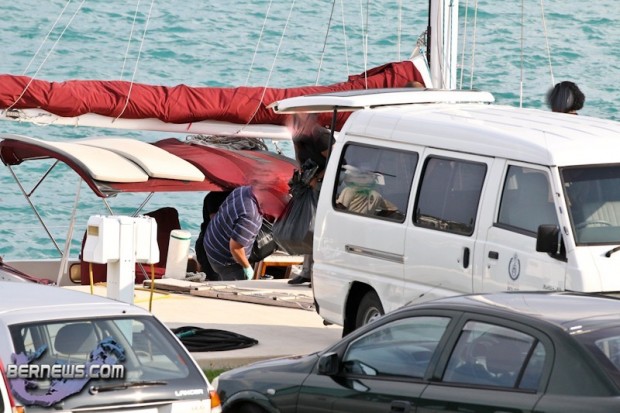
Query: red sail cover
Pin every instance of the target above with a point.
(183, 104)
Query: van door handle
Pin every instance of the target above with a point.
(493, 255)
(400, 406)
(466, 257)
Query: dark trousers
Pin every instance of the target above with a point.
(229, 272)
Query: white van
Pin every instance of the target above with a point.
(423, 200)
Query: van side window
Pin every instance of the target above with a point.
(526, 200)
(375, 182)
(449, 195)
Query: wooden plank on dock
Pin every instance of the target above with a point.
(274, 298)
(256, 292)
(173, 284)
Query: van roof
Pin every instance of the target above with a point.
(529, 135)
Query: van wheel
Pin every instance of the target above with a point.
(370, 308)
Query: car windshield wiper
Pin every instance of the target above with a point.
(126, 385)
(611, 251)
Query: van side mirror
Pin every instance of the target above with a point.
(329, 364)
(549, 240)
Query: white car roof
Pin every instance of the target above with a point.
(528, 135)
(24, 302)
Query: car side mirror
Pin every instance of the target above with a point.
(329, 364)
(549, 240)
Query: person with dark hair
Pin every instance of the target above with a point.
(210, 205)
(565, 97)
(230, 235)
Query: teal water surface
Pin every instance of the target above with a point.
(280, 44)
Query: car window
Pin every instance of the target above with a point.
(375, 182)
(534, 369)
(526, 200)
(449, 195)
(148, 354)
(604, 344)
(400, 348)
(490, 355)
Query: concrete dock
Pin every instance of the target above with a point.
(288, 325)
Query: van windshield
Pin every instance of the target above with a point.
(593, 195)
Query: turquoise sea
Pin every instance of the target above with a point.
(282, 43)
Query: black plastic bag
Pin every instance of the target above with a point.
(265, 244)
(206, 339)
(294, 230)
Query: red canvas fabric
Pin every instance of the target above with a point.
(182, 103)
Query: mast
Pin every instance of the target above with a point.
(442, 44)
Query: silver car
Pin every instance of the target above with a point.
(64, 350)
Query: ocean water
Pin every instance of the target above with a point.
(515, 54)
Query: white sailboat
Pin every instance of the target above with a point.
(235, 111)
(105, 178)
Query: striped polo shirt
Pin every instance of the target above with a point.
(238, 218)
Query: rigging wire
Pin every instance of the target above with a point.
(49, 53)
(464, 44)
(344, 35)
(451, 55)
(329, 25)
(399, 29)
(62, 12)
(275, 58)
(522, 54)
(365, 38)
(135, 70)
(133, 25)
(260, 38)
(544, 22)
(473, 47)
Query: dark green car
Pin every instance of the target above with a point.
(504, 352)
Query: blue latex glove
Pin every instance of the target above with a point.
(248, 272)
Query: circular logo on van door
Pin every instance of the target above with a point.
(514, 267)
